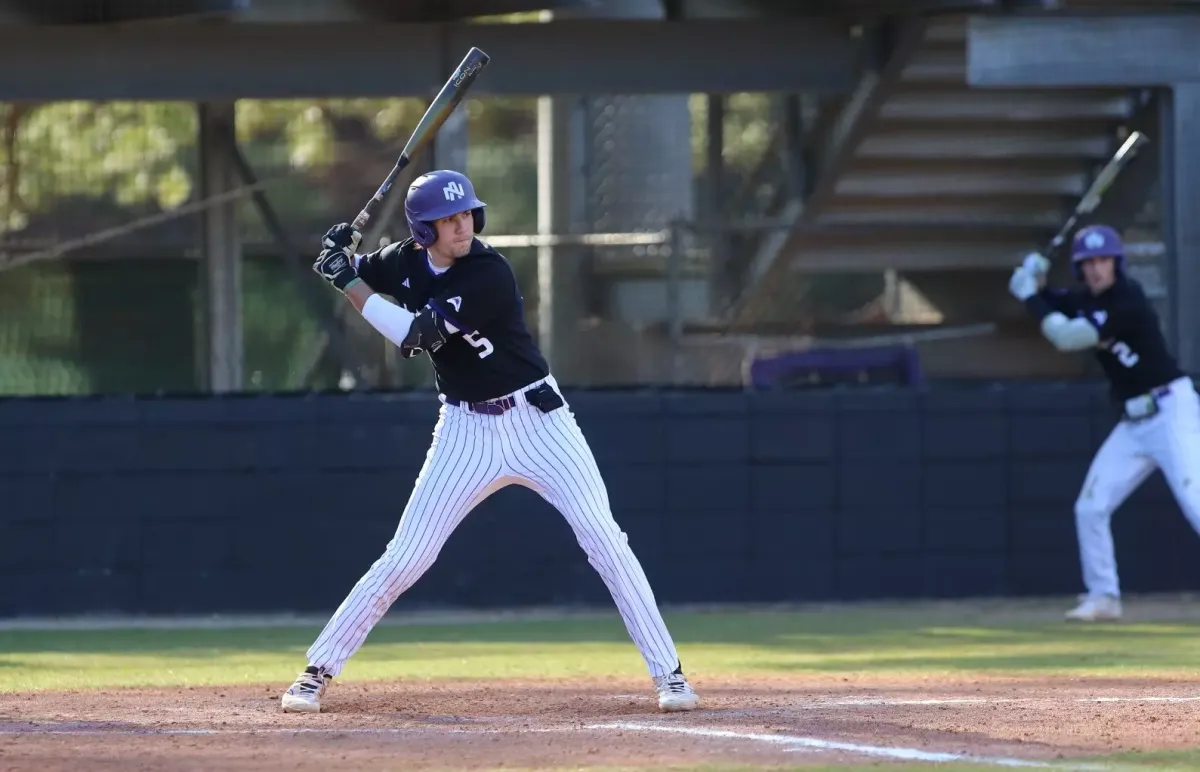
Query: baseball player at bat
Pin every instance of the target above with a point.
(1160, 409)
(502, 421)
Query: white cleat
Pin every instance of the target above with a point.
(1092, 608)
(305, 694)
(675, 693)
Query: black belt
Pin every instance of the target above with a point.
(543, 397)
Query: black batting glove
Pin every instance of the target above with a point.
(335, 263)
(342, 236)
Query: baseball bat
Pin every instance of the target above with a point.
(439, 110)
(1091, 198)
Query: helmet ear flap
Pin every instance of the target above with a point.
(478, 218)
(422, 232)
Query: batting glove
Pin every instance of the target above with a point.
(1036, 263)
(335, 263)
(1023, 284)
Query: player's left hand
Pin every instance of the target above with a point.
(335, 263)
(1023, 284)
(1036, 263)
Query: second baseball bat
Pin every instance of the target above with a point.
(1091, 199)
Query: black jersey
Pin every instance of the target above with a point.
(1132, 352)
(492, 353)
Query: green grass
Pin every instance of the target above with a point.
(1013, 641)
(886, 641)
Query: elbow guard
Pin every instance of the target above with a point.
(427, 333)
(1069, 334)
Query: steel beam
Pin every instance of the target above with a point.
(561, 209)
(222, 250)
(294, 61)
(1181, 226)
(892, 47)
(1065, 50)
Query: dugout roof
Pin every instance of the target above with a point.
(220, 50)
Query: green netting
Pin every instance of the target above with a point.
(86, 328)
(281, 334)
(134, 326)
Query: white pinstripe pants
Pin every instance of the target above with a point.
(1169, 441)
(471, 457)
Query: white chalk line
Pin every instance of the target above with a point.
(869, 702)
(821, 703)
(791, 743)
(798, 743)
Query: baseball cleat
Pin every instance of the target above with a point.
(1096, 607)
(675, 693)
(305, 694)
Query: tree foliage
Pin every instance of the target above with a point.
(747, 129)
(134, 152)
(144, 154)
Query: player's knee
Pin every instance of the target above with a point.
(1187, 495)
(1088, 510)
(402, 555)
(606, 537)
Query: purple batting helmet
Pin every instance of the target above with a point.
(1096, 241)
(436, 195)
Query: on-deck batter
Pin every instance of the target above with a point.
(1160, 421)
(502, 422)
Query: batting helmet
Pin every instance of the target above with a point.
(1096, 241)
(436, 195)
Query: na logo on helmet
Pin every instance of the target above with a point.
(1094, 241)
(453, 190)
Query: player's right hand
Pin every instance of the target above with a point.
(342, 237)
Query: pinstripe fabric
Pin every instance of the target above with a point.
(1169, 441)
(461, 466)
(472, 456)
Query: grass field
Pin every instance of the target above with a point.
(835, 688)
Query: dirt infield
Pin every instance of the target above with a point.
(472, 725)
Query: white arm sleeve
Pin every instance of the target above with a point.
(1069, 334)
(392, 321)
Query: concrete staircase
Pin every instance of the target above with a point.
(946, 184)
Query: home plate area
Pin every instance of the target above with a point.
(1043, 723)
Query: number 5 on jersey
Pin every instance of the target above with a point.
(480, 343)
